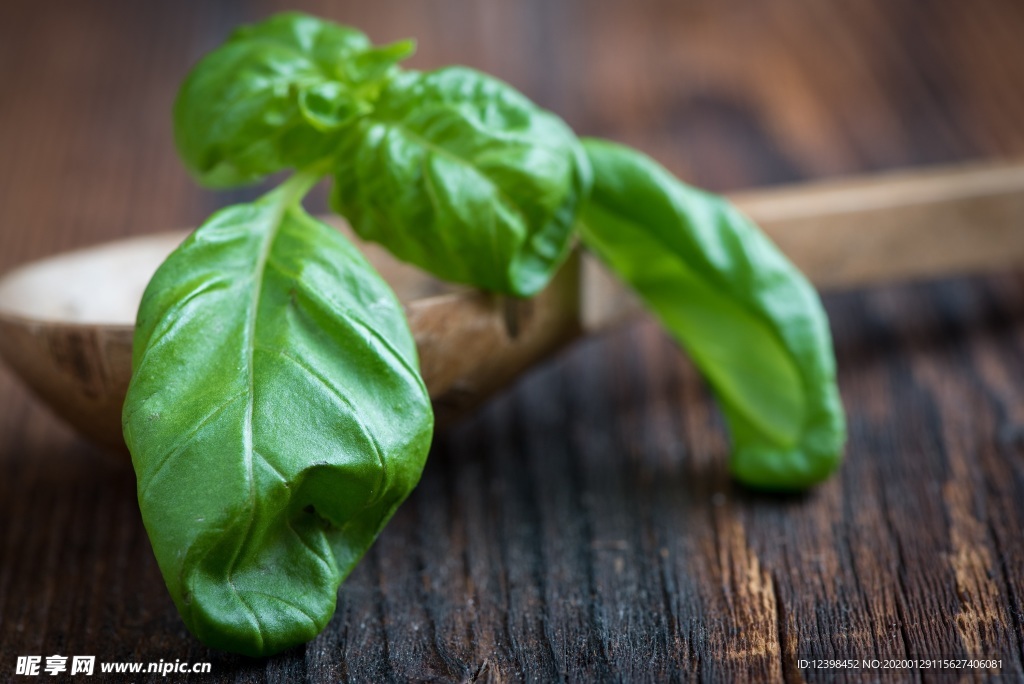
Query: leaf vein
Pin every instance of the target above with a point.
(181, 444)
(326, 384)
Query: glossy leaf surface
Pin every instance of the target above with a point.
(461, 175)
(275, 95)
(276, 419)
(750, 321)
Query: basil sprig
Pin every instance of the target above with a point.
(276, 414)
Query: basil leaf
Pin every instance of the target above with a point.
(274, 96)
(750, 321)
(461, 175)
(276, 419)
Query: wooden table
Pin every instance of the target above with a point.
(581, 526)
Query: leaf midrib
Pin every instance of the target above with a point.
(285, 197)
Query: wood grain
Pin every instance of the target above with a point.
(582, 526)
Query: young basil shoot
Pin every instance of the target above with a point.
(276, 415)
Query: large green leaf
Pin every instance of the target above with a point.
(275, 95)
(276, 419)
(460, 174)
(751, 322)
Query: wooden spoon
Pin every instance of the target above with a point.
(66, 322)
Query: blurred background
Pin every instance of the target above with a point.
(727, 94)
(583, 524)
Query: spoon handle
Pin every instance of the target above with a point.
(846, 233)
(897, 226)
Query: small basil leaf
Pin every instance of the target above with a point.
(276, 419)
(373, 66)
(750, 321)
(461, 175)
(328, 105)
(272, 96)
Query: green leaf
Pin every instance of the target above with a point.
(750, 321)
(275, 95)
(461, 175)
(276, 419)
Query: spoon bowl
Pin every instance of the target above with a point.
(66, 326)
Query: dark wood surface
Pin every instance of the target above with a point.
(581, 526)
